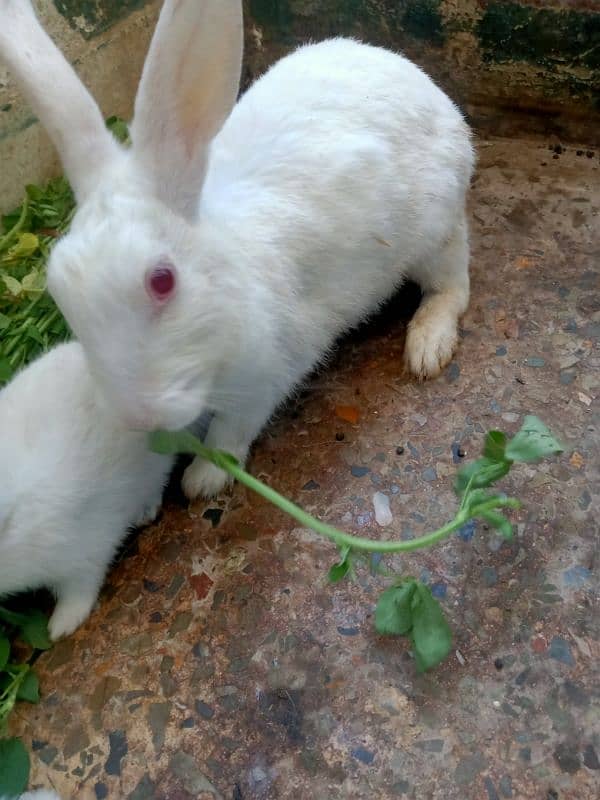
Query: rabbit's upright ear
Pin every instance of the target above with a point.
(189, 86)
(51, 86)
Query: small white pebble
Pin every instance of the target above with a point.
(584, 398)
(381, 504)
(460, 658)
(258, 775)
(496, 703)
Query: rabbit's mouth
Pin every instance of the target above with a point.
(173, 410)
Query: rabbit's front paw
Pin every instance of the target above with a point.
(203, 478)
(430, 345)
(71, 610)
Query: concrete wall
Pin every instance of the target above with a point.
(532, 65)
(513, 65)
(106, 40)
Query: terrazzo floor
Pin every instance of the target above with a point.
(221, 664)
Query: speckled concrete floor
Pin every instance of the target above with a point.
(221, 664)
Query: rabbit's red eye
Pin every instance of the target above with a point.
(160, 281)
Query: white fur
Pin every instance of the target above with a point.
(342, 172)
(37, 794)
(57, 95)
(72, 480)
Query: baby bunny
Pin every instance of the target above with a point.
(214, 264)
(72, 480)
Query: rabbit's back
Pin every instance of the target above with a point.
(320, 110)
(346, 165)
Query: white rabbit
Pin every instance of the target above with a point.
(40, 794)
(215, 263)
(72, 480)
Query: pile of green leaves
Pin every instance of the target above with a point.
(407, 607)
(30, 322)
(18, 681)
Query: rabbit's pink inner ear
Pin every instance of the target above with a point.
(188, 88)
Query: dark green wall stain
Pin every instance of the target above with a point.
(99, 15)
(379, 20)
(562, 44)
(271, 12)
(292, 18)
(514, 32)
(423, 20)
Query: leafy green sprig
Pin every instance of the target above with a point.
(407, 608)
(18, 681)
(30, 322)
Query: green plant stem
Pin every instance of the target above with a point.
(45, 324)
(8, 237)
(226, 462)
(8, 697)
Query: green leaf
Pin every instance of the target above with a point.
(499, 521)
(29, 689)
(12, 285)
(33, 333)
(532, 442)
(494, 445)
(4, 651)
(35, 193)
(431, 634)
(32, 624)
(26, 245)
(35, 630)
(484, 472)
(339, 571)
(119, 129)
(393, 615)
(6, 370)
(14, 767)
(4, 322)
(474, 497)
(34, 282)
(10, 220)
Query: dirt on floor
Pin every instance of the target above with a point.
(221, 664)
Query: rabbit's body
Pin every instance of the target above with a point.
(72, 481)
(338, 195)
(328, 201)
(339, 174)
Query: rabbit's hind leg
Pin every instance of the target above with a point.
(433, 331)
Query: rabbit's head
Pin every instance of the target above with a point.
(139, 275)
